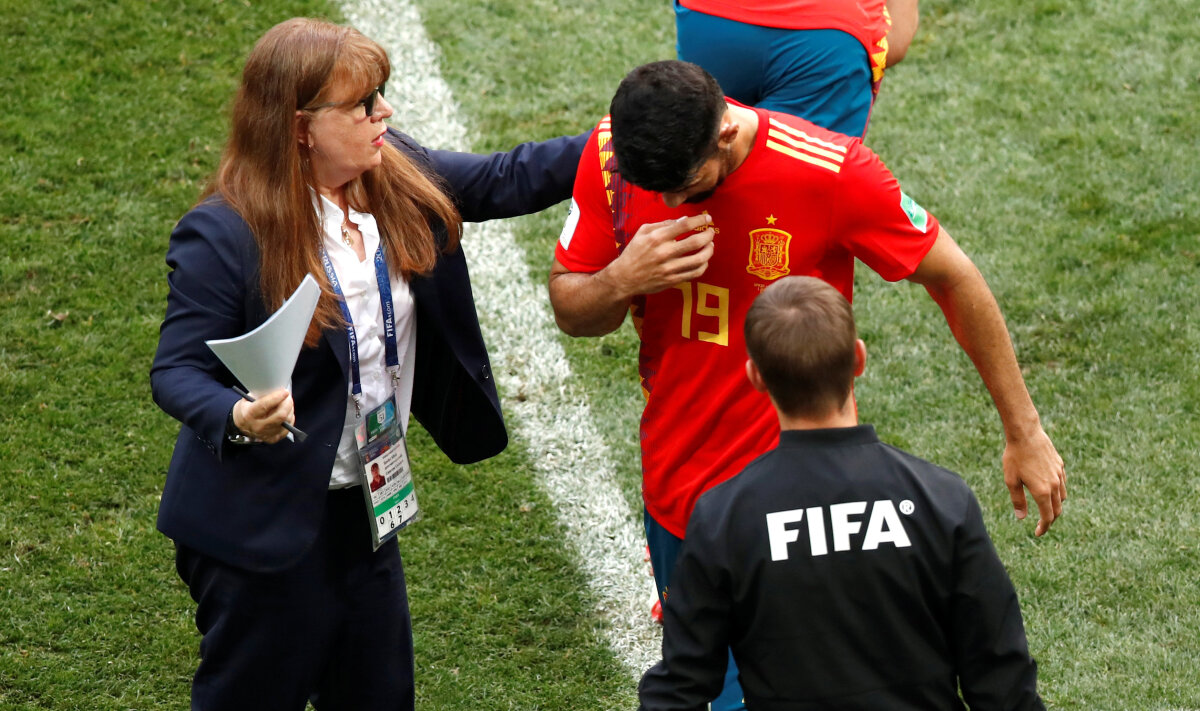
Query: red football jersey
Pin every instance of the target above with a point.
(805, 201)
(867, 20)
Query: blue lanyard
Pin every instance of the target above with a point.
(391, 354)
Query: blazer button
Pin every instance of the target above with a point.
(487, 372)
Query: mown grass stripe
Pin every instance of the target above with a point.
(551, 415)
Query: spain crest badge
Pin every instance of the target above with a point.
(769, 253)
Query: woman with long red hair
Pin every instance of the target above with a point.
(275, 537)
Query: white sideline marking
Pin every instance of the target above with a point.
(552, 420)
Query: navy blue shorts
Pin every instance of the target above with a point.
(823, 76)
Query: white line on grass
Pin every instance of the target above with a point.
(552, 420)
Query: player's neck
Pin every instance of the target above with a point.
(747, 121)
(845, 416)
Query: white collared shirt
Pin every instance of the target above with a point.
(362, 299)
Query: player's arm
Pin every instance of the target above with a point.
(987, 636)
(696, 622)
(660, 255)
(1030, 459)
(905, 19)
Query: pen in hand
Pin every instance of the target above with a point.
(299, 434)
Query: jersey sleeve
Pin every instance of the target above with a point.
(696, 624)
(876, 221)
(586, 243)
(990, 651)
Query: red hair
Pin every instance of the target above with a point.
(265, 176)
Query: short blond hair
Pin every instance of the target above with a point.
(800, 334)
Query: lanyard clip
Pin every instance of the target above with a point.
(357, 407)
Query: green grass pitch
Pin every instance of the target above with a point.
(1057, 140)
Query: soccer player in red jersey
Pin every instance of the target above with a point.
(686, 206)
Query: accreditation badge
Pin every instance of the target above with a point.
(386, 476)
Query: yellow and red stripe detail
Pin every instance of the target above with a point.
(800, 145)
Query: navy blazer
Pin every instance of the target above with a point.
(259, 507)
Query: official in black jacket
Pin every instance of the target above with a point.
(272, 536)
(842, 572)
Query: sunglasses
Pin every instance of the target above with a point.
(367, 102)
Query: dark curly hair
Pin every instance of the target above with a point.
(665, 121)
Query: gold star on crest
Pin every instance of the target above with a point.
(771, 219)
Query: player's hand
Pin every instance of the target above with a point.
(661, 255)
(263, 419)
(1033, 463)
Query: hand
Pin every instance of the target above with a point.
(263, 419)
(656, 258)
(1034, 463)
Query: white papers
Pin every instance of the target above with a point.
(263, 359)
